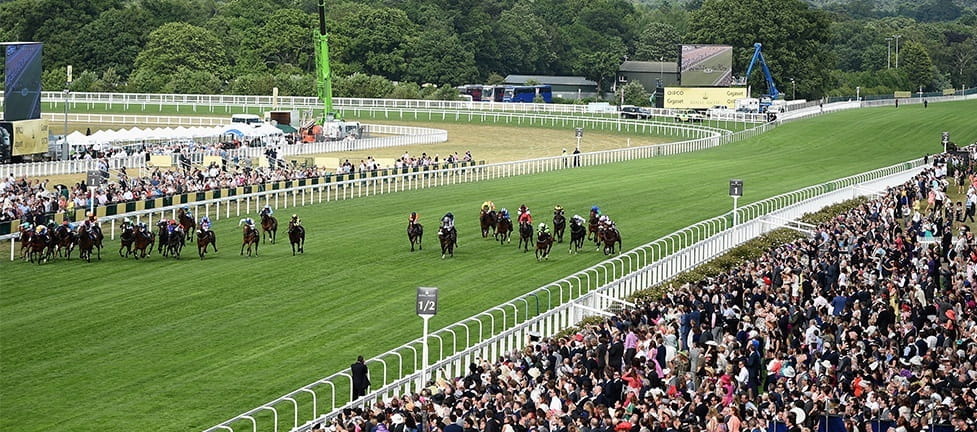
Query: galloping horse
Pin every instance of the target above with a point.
(559, 224)
(128, 238)
(543, 245)
(296, 236)
(250, 240)
(38, 250)
(592, 227)
(610, 236)
(503, 230)
(487, 220)
(577, 234)
(525, 236)
(85, 244)
(25, 241)
(66, 240)
(448, 237)
(415, 233)
(97, 238)
(143, 244)
(204, 239)
(269, 226)
(163, 236)
(175, 242)
(189, 225)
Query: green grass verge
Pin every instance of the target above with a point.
(182, 345)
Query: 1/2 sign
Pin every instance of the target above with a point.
(427, 301)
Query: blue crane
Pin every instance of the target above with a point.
(772, 91)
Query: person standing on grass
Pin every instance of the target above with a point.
(361, 377)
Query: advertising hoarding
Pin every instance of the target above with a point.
(703, 97)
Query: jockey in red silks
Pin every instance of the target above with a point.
(524, 215)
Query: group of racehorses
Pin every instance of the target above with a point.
(605, 237)
(60, 241)
(139, 241)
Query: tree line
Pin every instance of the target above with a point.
(417, 48)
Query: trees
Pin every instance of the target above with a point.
(658, 40)
(794, 37)
(438, 56)
(634, 94)
(176, 54)
(917, 64)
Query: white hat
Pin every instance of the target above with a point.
(916, 361)
(788, 371)
(874, 365)
(799, 414)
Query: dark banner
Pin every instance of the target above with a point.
(22, 83)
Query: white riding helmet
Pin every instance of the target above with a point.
(542, 226)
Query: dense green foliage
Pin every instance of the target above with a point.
(236, 46)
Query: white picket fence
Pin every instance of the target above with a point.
(559, 305)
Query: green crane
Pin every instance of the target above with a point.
(322, 71)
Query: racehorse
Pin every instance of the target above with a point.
(488, 220)
(66, 241)
(189, 225)
(610, 236)
(577, 234)
(38, 248)
(205, 238)
(143, 243)
(128, 238)
(250, 240)
(25, 241)
(415, 233)
(525, 236)
(559, 225)
(296, 236)
(97, 239)
(85, 244)
(175, 242)
(449, 238)
(269, 226)
(503, 230)
(543, 245)
(592, 227)
(163, 236)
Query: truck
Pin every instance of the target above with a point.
(772, 93)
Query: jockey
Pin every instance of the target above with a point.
(26, 226)
(172, 226)
(295, 220)
(543, 229)
(595, 211)
(558, 209)
(412, 219)
(126, 223)
(603, 220)
(524, 215)
(578, 219)
(248, 222)
(267, 211)
(504, 213)
(186, 211)
(448, 221)
(488, 206)
(205, 224)
(41, 230)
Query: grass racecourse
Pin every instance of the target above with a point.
(182, 345)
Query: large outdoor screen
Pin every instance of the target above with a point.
(706, 65)
(22, 81)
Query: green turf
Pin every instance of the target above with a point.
(118, 345)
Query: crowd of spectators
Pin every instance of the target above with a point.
(868, 323)
(35, 200)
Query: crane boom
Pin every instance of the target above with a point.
(772, 91)
(322, 71)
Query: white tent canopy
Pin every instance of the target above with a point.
(136, 135)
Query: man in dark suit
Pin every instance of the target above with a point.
(361, 378)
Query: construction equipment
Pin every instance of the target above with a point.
(330, 126)
(772, 92)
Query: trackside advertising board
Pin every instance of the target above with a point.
(703, 97)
